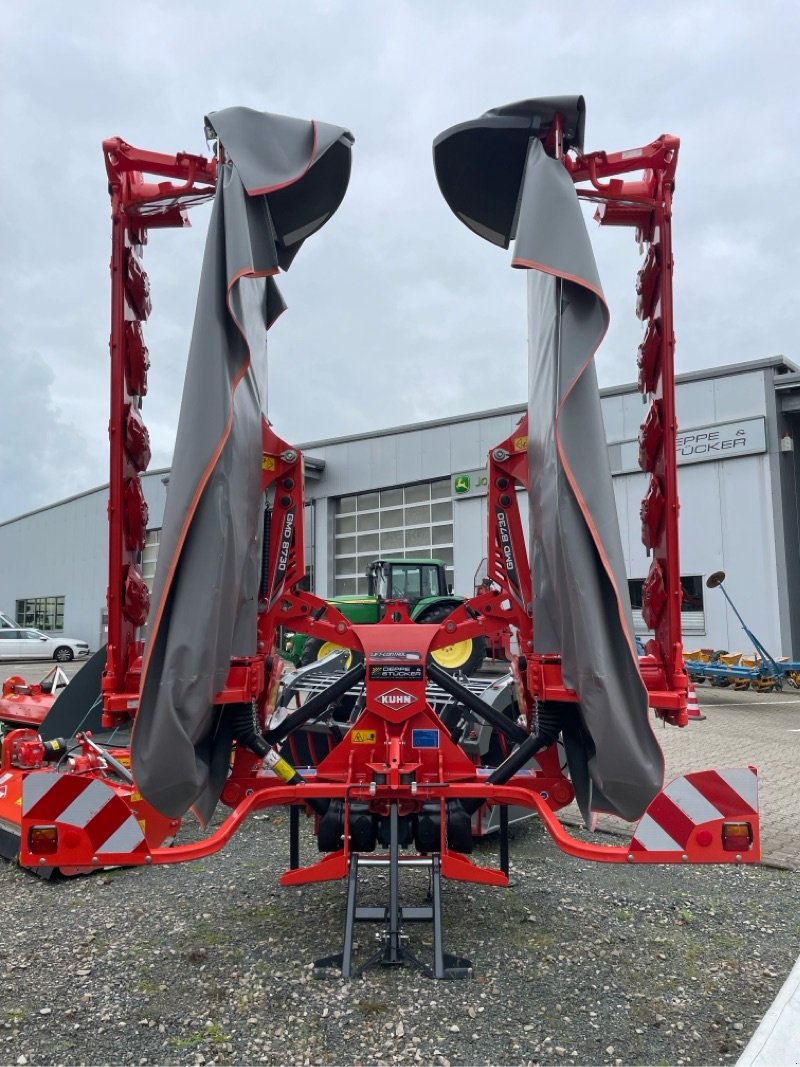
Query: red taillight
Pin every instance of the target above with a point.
(43, 840)
(737, 836)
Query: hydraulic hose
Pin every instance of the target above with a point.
(247, 732)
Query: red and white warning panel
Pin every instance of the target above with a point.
(706, 816)
(80, 819)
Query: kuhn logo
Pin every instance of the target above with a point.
(396, 698)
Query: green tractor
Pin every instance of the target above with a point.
(421, 582)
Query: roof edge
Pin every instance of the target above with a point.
(75, 496)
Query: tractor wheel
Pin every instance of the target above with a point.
(315, 650)
(464, 657)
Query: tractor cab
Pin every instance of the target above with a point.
(407, 579)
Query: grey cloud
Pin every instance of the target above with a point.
(394, 275)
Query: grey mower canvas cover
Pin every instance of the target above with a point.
(581, 602)
(281, 180)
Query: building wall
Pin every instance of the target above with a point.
(416, 454)
(733, 510)
(728, 506)
(62, 550)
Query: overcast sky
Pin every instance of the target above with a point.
(397, 312)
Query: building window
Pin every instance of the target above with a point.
(411, 520)
(42, 613)
(693, 619)
(150, 555)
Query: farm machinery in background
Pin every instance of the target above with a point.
(737, 670)
(422, 583)
(217, 716)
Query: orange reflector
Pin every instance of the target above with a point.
(43, 840)
(737, 836)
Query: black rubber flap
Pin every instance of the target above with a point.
(479, 164)
(304, 181)
(79, 706)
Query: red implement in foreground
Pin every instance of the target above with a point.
(397, 779)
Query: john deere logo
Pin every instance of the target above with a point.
(462, 483)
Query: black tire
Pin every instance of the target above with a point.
(311, 654)
(63, 654)
(474, 653)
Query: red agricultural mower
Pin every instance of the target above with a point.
(214, 714)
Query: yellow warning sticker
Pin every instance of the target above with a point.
(364, 737)
(520, 444)
(268, 463)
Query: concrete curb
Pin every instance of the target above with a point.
(776, 1042)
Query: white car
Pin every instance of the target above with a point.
(33, 644)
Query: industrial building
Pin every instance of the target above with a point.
(421, 490)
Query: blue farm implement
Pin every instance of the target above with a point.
(759, 671)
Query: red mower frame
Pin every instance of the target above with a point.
(398, 773)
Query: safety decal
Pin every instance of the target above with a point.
(364, 737)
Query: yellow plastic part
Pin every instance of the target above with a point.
(751, 661)
(730, 659)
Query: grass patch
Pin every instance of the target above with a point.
(147, 987)
(16, 1015)
(530, 936)
(213, 1033)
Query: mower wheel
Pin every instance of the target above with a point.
(463, 657)
(315, 650)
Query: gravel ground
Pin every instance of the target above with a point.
(211, 962)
